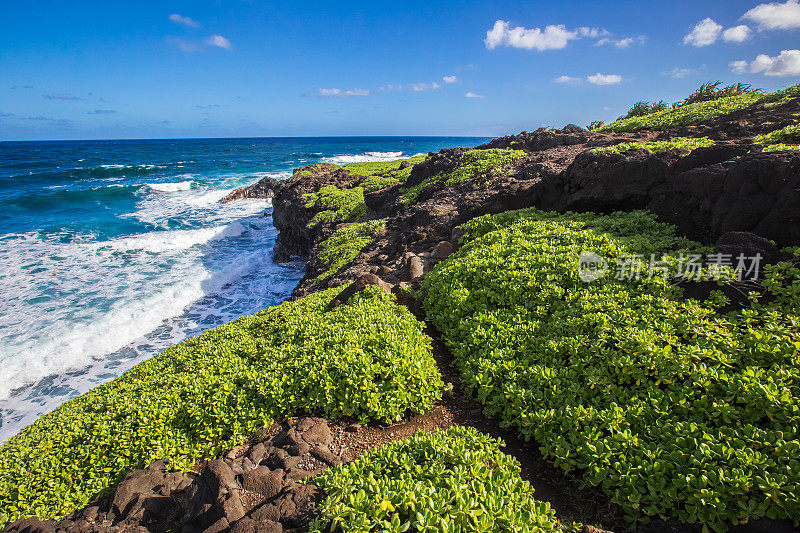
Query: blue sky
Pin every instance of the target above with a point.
(92, 70)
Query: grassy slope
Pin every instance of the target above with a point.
(345, 244)
(698, 112)
(472, 164)
(368, 359)
(451, 480)
(673, 409)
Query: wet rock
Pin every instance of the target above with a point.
(264, 188)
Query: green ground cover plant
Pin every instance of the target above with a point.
(672, 407)
(790, 133)
(706, 103)
(781, 97)
(345, 244)
(450, 480)
(320, 167)
(382, 174)
(340, 205)
(683, 115)
(684, 144)
(368, 358)
(472, 163)
(781, 148)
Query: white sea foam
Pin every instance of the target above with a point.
(77, 312)
(364, 157)
(163, 241)
(171, 187)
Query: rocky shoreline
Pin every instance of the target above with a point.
(728, 195)
(710, 192)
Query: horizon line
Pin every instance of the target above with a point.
(257, 137)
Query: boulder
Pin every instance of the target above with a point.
(736, 243)
(357, 286)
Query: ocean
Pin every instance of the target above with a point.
(111, 251)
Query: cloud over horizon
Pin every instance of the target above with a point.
(704, 33)
(570, 80)
(339, 93)
(185, 21)
(474, 95)
(219, 41)
(737, 34)
(775, 15)
(708, 31)
(604, 79)
(554, 37)
(787, 63)
(64, 96)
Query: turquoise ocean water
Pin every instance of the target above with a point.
(111, 251)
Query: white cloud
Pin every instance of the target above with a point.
(738, 67)
(186, 21)
(592, 33)
(787, 63)
(737, 34)
(339, 93)
(450, 79)
(473, 95)
(418, 87)
(65, 96)
(219, 41)
(679, 72)
(604, 79)
(552, 38)
(569, 80)
(775, 16)
(619, 43)
(704, 33)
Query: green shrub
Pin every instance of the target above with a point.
(781, 97)
(781, 148)
(730, 99)
(317, 168)
(594, 125)
(790, 133)
(683, 115)
(471, 164)
(383, 174)
(684, 144)
(674, 408)
(345, 244)
(368, 358)
(641, 109)
(451, 480)
(709, 91)
(341, 205)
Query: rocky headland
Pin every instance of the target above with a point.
(388, 225)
